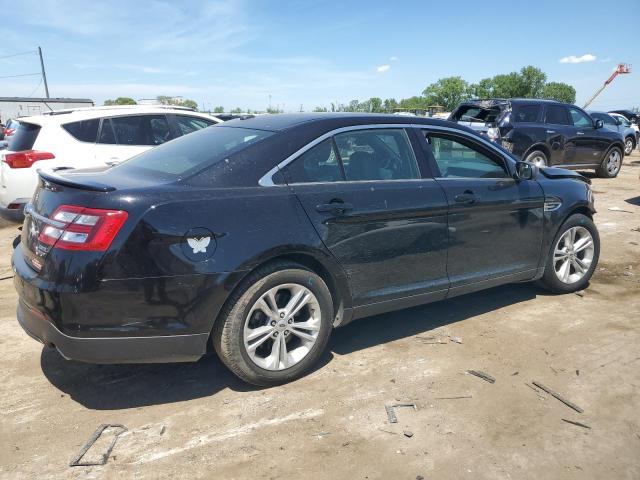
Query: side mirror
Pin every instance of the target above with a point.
(526, 170)
(599, 123)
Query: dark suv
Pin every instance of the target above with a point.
(545, 132)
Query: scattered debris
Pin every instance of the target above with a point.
(77, 460)
(579, 293)
(321, 434)
(456, 339)
(6, 278)
(514, 374)
(482, 375)
(452, 398)
(553, 369)
(391, 414)
(432, 340)
(559, 397)
(637, 229)
(387, 431)
(163, 429)
(576, 423)
(578, 373)
(618, 209)
(408, 433)
(532, 388)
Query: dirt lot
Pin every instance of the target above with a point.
(198, 421)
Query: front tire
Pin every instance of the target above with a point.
(611, 164)
(537, 158)
(573, 256)
(276, 326)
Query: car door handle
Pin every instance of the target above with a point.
(334, 207)
(467, 197)
(580, 133)
(551, 131)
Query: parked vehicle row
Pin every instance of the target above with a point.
(547, 133)
(84, 138)
(616, 125)
(257, 236)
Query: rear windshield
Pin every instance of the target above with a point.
(24, 137)
(472, 113)
(192, 153)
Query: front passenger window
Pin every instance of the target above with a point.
(461, 160)
(579, 118)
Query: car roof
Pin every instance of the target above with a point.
(286, 121)
(73, 115)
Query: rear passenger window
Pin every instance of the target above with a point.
(457, 158)
(191, 124)
(377, 154)
(106, 133)
(557, 115)
(318, 164)
(84, 130)
(526, 113)
(141, 130)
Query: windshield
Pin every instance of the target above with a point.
(192, 153)
(472, 113)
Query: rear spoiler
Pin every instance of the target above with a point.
(51, 177)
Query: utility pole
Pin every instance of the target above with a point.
(44, 75)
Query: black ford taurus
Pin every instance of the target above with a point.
(257, 236)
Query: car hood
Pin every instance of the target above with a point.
(556, 173)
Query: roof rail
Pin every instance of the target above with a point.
(118, 107)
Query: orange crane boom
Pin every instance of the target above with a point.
(622, 68)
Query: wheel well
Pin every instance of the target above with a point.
(538, 146)
(633, 139)
(583, 210)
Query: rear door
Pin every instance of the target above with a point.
(560, 135)
(495, 221)
(376, 210)
(121, 138)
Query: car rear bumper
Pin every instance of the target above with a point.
(14, 214)
(177, 348)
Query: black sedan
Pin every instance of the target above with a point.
(257, 236)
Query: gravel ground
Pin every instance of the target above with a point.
(198, 421)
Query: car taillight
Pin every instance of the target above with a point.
(83, 228)
(493, 133)
(26, 158)
(9, 131)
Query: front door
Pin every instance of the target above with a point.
(495, 221)
(589, 144)
(385, 224)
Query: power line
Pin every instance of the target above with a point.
(30, 52)
(35, 89)
(22, 75)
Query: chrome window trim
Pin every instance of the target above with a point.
(267, 179)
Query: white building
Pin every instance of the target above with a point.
(16, 107)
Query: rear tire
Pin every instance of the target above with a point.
(629, 145)
(573, 256)
(537, 158)
(611, 164)
(263, 341)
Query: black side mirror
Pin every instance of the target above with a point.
(599, 123)
(526, 170)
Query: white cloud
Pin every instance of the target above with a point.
(382, 68)
(141, 68)
(587, 57)
(394, 59)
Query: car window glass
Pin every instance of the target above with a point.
(84, 130)
(191, 124)
(318, 164)
(556, 115)
(377, 154)
(526, 113)
(579, 118)
(456, 159)
(24, 136)
(608, 120)
(106, 133)
(141, 129)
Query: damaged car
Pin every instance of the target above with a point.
(257, 237)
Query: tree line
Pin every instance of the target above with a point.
(529, 82)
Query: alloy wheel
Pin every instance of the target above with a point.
(282, 327)
(573, 255)
(614, 161)
(628, 146)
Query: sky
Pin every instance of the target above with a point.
(310, 53)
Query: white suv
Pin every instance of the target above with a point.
(82, 138)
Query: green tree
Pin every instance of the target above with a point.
(389, 105)
(320, 109)
(412, 103)
(448, 92)
(219, 109)
(121, 101)
(508, 85)
(482, 89)
(533, 81)
(375, 105)
(559, 91)
(236, 110)
(180, 102)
